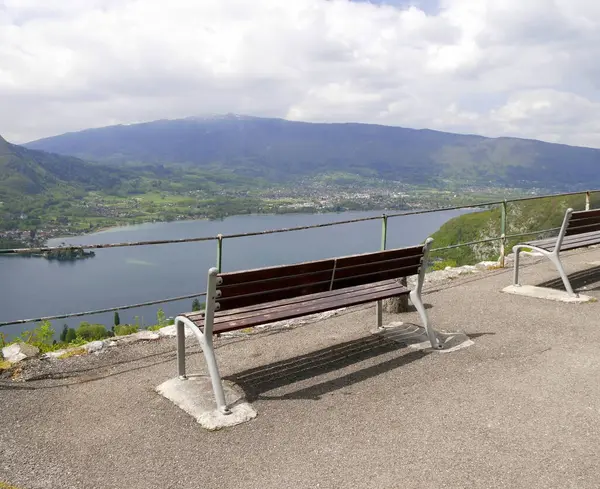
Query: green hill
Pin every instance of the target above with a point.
(27, 172)
(32, 182)
(280, 150)
(522, 217)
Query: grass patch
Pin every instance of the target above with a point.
(72, 353)
(4, 365)
(4, 485)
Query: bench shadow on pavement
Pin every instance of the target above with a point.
(257, 381)
(589, 278)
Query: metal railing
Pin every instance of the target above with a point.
(502, 238)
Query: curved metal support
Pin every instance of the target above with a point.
(415, 298)
(206, 344)
(553, 256)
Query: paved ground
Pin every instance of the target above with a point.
(343, 408)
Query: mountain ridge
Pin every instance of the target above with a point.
(281, 150)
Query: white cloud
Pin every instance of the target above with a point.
(493, 67)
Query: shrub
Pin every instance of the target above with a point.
(90, 332)
(125, 329)
(161, 318)
(156, 327)
(197, 305)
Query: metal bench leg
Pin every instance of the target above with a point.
(516, 251)
(181, 350)
(379, 309)
(206, 343)
(415, 298)
(561, 271)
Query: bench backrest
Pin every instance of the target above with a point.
(252, 287)
(583, 222)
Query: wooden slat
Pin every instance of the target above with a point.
(569, 242)
(308, 307)
(228, 314)
(542, 243)
(379, 256)
(301, 290)
(269, 273)
(583, 222)
(585, 214)
(571, 231)
(584, 241)
(322, 297)
(315, 277)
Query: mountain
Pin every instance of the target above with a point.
(281, 150)
(28, 172)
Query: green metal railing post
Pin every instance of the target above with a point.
(503, 235)
(384, 225)
(587, 200)
(379, 307)
(219, 252)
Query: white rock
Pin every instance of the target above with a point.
(486, 265)
(19, 351)
(171, 331)
(94, 346)
(54, 354)
(145, 335)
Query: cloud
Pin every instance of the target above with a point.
(492, 67)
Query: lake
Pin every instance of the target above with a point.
(35, 287)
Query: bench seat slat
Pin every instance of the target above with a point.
(569, 242)
(310, 304)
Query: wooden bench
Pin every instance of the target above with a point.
(251, 298)
(579, 230)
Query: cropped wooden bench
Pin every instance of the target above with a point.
(579, 230)
(251, 298)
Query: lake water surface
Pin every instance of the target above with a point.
(34, 287)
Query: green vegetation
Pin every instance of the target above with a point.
(91, 332)
(442, 264)
(125, 329)
(4, 485)
(522, 217)
(116, 319)
(197, 305)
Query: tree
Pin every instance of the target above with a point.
(117, 319)
(161, 318)
(196, 306)
(70, 336)
(63, 334)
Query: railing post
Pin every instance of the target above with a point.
(379, 307)
(503, 235)
(384, 232)
(219, 252)
(587, 200)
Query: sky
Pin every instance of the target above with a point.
(524, 68)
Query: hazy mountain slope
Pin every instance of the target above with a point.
(279, 149)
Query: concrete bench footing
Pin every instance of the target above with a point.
(195, 396)
(546, 293)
